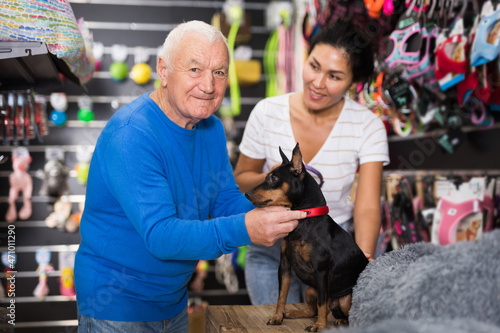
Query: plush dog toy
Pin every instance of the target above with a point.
(44, 268)
(20, 181)
(54, 176)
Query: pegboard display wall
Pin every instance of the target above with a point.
(132, 24)
(145, 24)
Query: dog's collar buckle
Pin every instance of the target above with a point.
(316, 211)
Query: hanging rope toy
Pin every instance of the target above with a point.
(235, 16)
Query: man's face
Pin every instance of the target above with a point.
(197, 82)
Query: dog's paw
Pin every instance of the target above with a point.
(341, 322)
(277, 319)
(315, 328)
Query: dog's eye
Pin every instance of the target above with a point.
(272, 179)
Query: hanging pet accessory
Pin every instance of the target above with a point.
(54, 174)
(59, 103)
(141, 71)
(67, 279)
(85, 112)
(83, 156)
(118, 69)
(234, 15)
(98, 52)
(42, 257)
(20, 181)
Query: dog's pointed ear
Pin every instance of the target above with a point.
(298, 166)
(283, 157)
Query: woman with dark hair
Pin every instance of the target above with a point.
(338, 139)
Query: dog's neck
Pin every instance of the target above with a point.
(311, 195)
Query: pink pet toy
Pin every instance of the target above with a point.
(20, 181)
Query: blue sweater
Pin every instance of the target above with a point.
(159, 198)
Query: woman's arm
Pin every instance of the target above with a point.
(367, 215)
(248, 172)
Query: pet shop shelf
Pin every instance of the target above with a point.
(54, 323)
(465, 129)
(65, 41)
(29, 65)
(48, 199)
(51, 248)
(33, 299)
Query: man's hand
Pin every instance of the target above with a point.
(266, 225)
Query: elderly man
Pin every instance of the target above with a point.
(161, 195)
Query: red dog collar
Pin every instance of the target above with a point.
(316, 211)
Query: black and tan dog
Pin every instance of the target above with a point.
(322, 254)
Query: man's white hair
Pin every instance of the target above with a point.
(177, 34)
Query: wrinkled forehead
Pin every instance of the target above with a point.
(197, 47)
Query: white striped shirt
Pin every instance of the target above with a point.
(357, 137)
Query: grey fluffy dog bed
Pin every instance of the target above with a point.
(429, 288)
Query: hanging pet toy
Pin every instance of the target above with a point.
(60, 103)
(59, 217)
(83, 155)
(73, 222)
(20, 181)
(54, 174)
(234, 14)
(67, 279)
(44, 267)
(85, 113)
(118, 69)
(98, 51)
(141, 71)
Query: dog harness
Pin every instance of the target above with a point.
(445, 63)
(467, 87)
(451, 215)
(405, 44)
(316, 211)
(425, 64)
(482, 50)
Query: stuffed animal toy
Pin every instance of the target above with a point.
(67, 278)
(73, 222)
(67, 283)
(55, 174)
(20, 181)
(60, 215)
(83, 156)
(44, 267)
